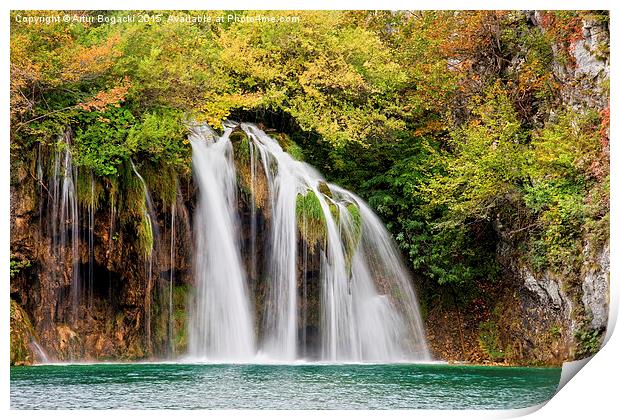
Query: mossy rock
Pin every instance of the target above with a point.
(178, 320)
(237, 135)
(89, 190)
(325, 190)
(334, 210)
(21, 335)
(312, 225)
(256, 189)
(144, 230)
(311, 219)
(289, 146)
(162, 180)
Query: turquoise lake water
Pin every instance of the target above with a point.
(203, 386)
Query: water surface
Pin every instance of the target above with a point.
(318, 386)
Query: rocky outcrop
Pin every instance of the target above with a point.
(583, 77)
(525, 317)
(22, 336)
(595, 289)
(109, 319)
(540, 320)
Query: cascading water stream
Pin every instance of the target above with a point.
(41, 355)
(171, 283)
(368, 309)
(91, 240)
(280, 323)
(220, 319)
(380, 260)
(151, 219)
(64, 218)
(111, 240)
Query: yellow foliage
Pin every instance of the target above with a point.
(89, 62)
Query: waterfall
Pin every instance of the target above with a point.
(171, 283)
(151, 219)
(91, 240)
(111, 241)
(253, 215)
(41, 355)
(379, 259)
(367, 307)
(281, 306)
(64, 217)
(220, 319)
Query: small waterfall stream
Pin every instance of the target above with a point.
(41, 355)
(368, 308)
(63, 217)
(171, 283)
(151, 219)
(91, 240)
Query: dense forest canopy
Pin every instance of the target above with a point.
(451, 124)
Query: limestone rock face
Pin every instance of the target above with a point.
(595, 289)
(547, 289)
(591, 61)
(542, 322)
(583, 77)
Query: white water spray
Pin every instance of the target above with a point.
(220, 318)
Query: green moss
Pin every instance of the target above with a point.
(356, 220)
(241, 153)
(113, 191)
(242, 150)
(131, 192)
(334, 210)
(290, 147)
(132, 207)
(89, 190)
(310, 219)
(325, 190)
(312, 224)
(179, 318)
(162, 181)
(163, 319)
(144, 230)
(180, 338)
